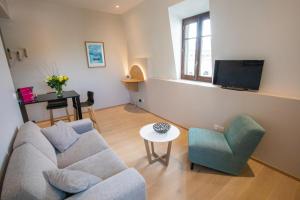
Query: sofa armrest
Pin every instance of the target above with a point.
(82, 126)
(128, 184)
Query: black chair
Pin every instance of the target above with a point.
(58, 104)
(88, 104)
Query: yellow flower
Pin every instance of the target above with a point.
(66, 78)
(60, 78)
(48, 78)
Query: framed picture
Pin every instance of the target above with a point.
(95, 54)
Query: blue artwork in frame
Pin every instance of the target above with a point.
(95, 54)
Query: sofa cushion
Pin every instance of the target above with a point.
(31, 133)
(87, 145)
(71, 181)
(104, 164)
(81, 126)
(61, 135)
(126, 185)
(24, 179)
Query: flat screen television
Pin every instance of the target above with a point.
(238, 74)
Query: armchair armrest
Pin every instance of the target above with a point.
(82, 126)
(128, 184)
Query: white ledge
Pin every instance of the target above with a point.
(210, 85)
(204, 84)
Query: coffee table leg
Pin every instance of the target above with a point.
(164, 159)
(168, 153)
(148, 151)
(152, 147)
(153, 151)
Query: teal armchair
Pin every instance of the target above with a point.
(228, 152)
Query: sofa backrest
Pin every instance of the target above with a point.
(31, 133)
(24, 178)
(243, 135)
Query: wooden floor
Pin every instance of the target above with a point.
(120, 127)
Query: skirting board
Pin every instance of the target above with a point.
(274, 168)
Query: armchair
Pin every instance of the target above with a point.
(228, 152)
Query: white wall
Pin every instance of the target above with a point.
(241, 29)
(54, 36)
(176, 32)
(266, 29)
(148, 34)
(10, 117)
(4, 9)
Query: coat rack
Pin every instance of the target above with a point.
(19, 54)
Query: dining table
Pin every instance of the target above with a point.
(50, 97)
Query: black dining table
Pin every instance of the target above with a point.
(50, 97)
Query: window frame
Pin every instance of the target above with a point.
(199, 19)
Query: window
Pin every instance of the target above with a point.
(196, 48)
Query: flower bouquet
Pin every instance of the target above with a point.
(56, 82)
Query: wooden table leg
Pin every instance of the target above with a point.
(148, 151)
(78, 106)
(152, 147)
(164, 159)
(75, 109)
(24, 112)
(168, 153)
(153, 151)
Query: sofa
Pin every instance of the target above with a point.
(228, 152)
(33, 154)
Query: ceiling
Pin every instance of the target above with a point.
(190, 8)
(108, 6)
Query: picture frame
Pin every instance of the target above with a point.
(95, 54)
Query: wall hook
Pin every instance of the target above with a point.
(18, 54)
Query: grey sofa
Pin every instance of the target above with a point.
(33, 154)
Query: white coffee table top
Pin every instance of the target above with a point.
(149, 134)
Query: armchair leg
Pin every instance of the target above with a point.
(192, 166)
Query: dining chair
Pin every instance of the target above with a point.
(88, 104)
(58, 104)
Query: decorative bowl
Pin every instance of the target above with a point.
(161, 127)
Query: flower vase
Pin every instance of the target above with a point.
(56, 82)
(59, 92)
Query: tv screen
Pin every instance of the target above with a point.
(238, 74)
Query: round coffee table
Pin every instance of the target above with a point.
(149, 135)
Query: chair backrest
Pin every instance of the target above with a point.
(243, 135)
(90, 96)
